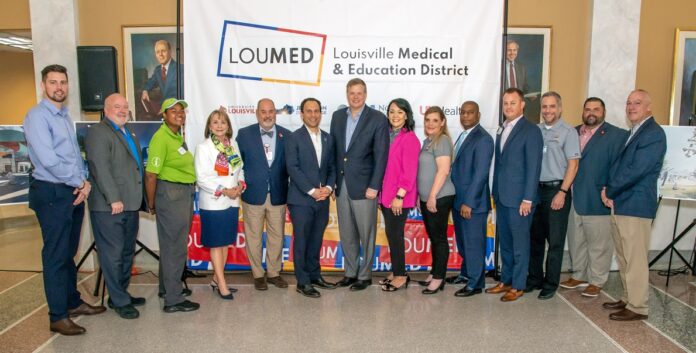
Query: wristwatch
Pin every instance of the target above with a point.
(399, 197)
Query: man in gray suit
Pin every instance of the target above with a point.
(116, 173)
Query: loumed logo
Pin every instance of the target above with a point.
(264, 53)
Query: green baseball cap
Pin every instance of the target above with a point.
(170, 102)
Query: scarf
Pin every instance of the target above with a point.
(227, 157)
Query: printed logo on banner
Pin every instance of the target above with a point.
(264, 53)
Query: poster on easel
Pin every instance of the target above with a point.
(678, 175)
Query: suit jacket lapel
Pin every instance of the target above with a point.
(633, 138)
(307, 141)
(324, 150)
(513, 133)
(593, 140)
(119, 136)
(473, 135)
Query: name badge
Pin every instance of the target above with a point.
(269, 155)
(181, 150)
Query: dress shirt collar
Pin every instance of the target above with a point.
(350, 113)
(63, 111)
(512, 123)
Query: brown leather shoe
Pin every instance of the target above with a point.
(512, 295)
(572, 283)
(591, 291)
(627, 315)
(499, 288)
(67, 327)
(86, 309)
(278, 282)
(260, 283)
(614, 305)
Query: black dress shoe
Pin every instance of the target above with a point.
(346, 281)
(308, 291)
(137, 301)
(433, 291)
(184, 291)
(321, 283)
(86, 309)
(127, 311)
(361, 284)
(547, 294)
(67, 327)
(467, 292)
(186, 305)
(531, 288)
(458, 279)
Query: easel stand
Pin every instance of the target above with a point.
(671, 247)
(93, 247)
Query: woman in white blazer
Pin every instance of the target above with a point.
(220, 182)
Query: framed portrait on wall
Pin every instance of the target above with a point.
(527, 61)
(151, 69)
(683, 102)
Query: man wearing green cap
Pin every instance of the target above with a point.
(169, 188)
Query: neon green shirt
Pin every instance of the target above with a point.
(168, 159)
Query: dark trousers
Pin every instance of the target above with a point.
(174, 204)
(115, 237)
(471, 244)
(548, 226)
(308, 224)
(394, 227)
(60, 223)
(436, 227)
(513, 236)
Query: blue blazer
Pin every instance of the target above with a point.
(305, 173)
(518, 165)
(633, 177)
(168, 89)
(470, 171)
(364, 163)
(257, 173)
(593, 172)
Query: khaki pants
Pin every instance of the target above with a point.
(631, 241)
(255, 216)
(591, 248)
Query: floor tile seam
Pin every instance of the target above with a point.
(19, 283)
(675, 342)
(34, 311)
(674, 297)
(657, 329)
(596, 327)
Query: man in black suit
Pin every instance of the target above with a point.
(361, 136)
(116, 173)
(310, 162)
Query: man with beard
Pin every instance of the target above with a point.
(590, 243)
(57, 193)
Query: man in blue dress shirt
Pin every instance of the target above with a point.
(57, 191)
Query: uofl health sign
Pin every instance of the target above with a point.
(430, 53)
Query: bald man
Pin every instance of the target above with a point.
(116, 174)
(631, 193)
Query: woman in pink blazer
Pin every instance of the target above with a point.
(399, 194)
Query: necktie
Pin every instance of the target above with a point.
(267, 133)
(459, 143)
(511, 72)
(163, 75)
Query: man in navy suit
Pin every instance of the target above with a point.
(473, 152)
(631, 193)
(361, 137)
(165, 74)
(310, 161)
(590, 244)
(264, 201)
(518, 153)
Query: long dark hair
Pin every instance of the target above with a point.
(403, 104)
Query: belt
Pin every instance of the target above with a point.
(550, 183)
(174, 182)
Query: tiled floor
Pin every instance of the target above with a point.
(342, 321)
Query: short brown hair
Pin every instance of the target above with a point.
(354, 82)
(223, 114)
(53, 68)
(512, 90)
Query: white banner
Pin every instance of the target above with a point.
(430, 53)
